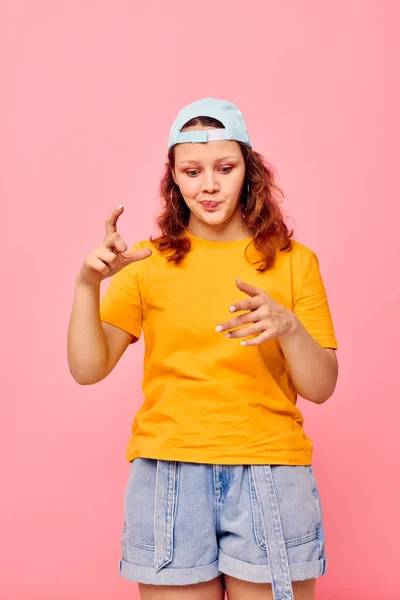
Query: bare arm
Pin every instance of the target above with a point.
(313, 368)
(87, 346)
(93, 347)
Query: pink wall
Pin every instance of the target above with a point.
(89, 90)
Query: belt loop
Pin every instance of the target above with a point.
(167, 485)
(277, 556)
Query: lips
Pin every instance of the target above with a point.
(209, 204)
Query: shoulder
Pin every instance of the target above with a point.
(301, 256)
(297, 258)
(304, 267)
(300, 262)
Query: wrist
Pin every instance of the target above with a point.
(79, 282)
(293, 325)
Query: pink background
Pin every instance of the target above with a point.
(89, 90)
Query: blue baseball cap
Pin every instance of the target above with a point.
(226, 112)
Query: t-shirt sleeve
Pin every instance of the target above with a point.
(121, 304)
(310, 305)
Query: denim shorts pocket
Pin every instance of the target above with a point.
(151, 500)
(139, 504)
(299, 507)
(315, 493)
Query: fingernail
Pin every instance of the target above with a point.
(122, 206)
(219, 328)
(243, 343)
(232, 309)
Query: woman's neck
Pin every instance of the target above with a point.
(222, 232)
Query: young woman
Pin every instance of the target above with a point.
(221, 493)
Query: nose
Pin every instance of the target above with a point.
(210, 183)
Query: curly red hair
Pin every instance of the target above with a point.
(264, 217)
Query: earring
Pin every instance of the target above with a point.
(244, 205)
(172, 199)
(179, 211)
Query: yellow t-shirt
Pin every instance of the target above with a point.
(207, 399)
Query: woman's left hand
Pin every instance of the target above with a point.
(269, 318)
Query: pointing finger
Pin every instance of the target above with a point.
(111, 221)
(137, 254)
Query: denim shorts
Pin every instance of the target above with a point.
(185, 523)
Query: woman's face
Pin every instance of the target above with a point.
(214, 172)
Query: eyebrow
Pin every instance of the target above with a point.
(196, 162)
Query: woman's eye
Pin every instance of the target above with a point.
(194, 172)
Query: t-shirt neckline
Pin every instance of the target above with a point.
(217, 244)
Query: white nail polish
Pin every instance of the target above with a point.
(219, 328)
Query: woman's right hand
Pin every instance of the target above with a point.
(111, 256)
